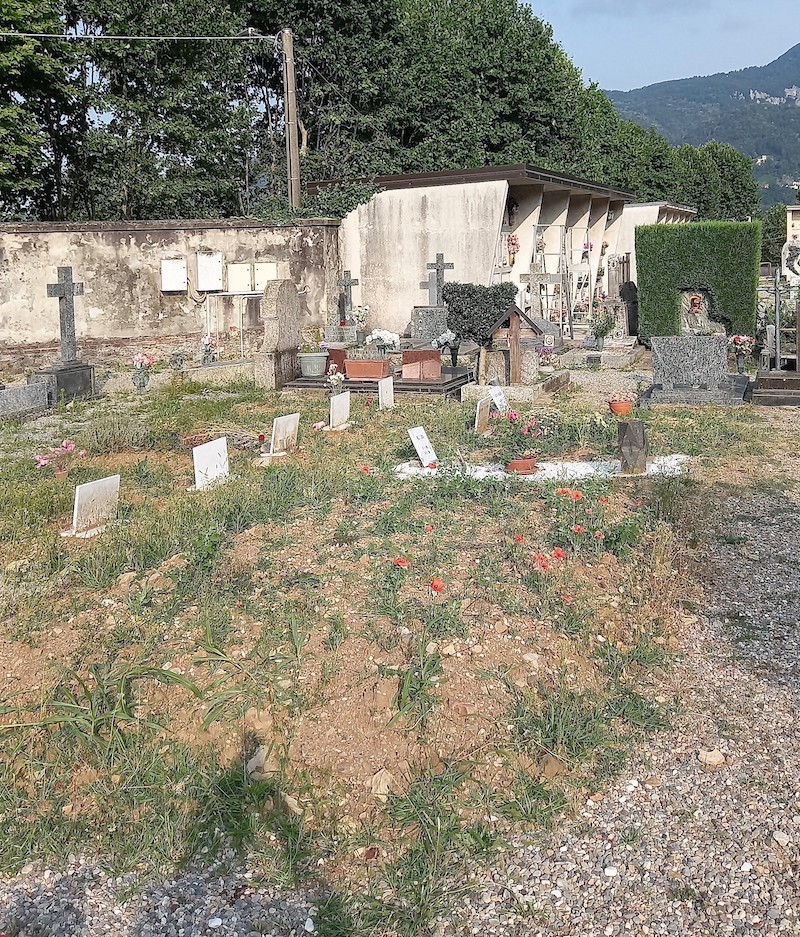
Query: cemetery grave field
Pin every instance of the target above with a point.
(359, 682)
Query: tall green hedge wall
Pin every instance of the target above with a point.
(719, 256)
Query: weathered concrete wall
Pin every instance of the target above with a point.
(120, 265)
(388, 243)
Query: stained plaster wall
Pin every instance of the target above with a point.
(120, 265)
(388, 242)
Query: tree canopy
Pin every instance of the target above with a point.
(142, 129)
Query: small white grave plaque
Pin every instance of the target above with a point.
(499, 397)
(422, 444)
(210, 463)
(482, 412)
(549, 341)
(95, 505)
(284, 434)
(386, 393)
(340, 410)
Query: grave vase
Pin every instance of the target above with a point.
(454, 355)
(140, 378)
(740, 364)
(313, 364)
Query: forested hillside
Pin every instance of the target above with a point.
(749, 109)
(141, 129)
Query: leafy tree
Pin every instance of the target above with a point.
(738, 189)
(773, 234)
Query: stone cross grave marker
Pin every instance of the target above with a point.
(347, 283)
(439, 268)
(632, 441)
(95, 505)
(500, 400)
(425, 451)
(66, 291)
(386, 393)
(430, 286)
(482, 412)
(339, 411)
(210, 463)
(284, 434)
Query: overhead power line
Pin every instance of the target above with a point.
(245, 36)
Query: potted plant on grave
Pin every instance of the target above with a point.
(742, 347)
(517, 436)
(621, 404)
(602, 326)
(209, 348)
(60, 458)
(372, 369)
(313, 356)
(546, 359)
(360, 316)
(141, 370)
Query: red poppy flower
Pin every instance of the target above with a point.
(563, 491)
(401, 561)
(559, 554)
(370, 401)
(261, 437)
(428, 528)
(578, 529)
(542, 561)
(576, 495)
(589, 511)
(437, 585)
(599, 535)
(365, 469)
(431, 465)
(603, 500)
(567, 599)
(518, 538)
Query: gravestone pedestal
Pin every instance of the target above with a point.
(65, 382)
(428, 322)
(693, 369)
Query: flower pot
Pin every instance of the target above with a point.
(369, 369)
(522, 466)
(313, 364)
(621, 407)
(140, 378)
(61, 474)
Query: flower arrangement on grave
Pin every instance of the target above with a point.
(312, 344)
(383, 340)
(546, 357)
(60, 457)
(360, 315)
(141, 370)
(512, 245)
(742, 345)
(517, 437)
(603, 324)
(209, 346)
(335, 379)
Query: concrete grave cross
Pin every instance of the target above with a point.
(440, 266)
(386, 393)
(424, 449)
(95, 505)
(340, 410)
(430, 286)
(66, 291)
(210, 463)
(347, 284)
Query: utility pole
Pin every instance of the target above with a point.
(290, 104)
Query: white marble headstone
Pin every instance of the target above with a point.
(499, 398)
(95, 505)
(210, 463)
(284, 434)
(386, 393)
(422, 444)
(340, 409)
(482, 411)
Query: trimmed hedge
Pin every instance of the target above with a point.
(718, 256)
(473, 309)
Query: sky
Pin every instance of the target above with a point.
(624, 44)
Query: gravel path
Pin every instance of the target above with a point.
(674, 847)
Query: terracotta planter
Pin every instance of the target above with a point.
(61, 474)
(371, 369)
(621, 407)
(522, 466)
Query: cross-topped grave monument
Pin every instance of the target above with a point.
(439, 267)
(428, 322)
(67, 376)
(347, 283)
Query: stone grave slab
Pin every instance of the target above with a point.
(428, 322)
(422, 365)
(339, 412)
(283, 312)
(422, 445)
(210, 463)
(284, 434)
(95, 505)
(27, 398)
(386, 393)
(341, 334)
(693, 369)
(482, 411)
